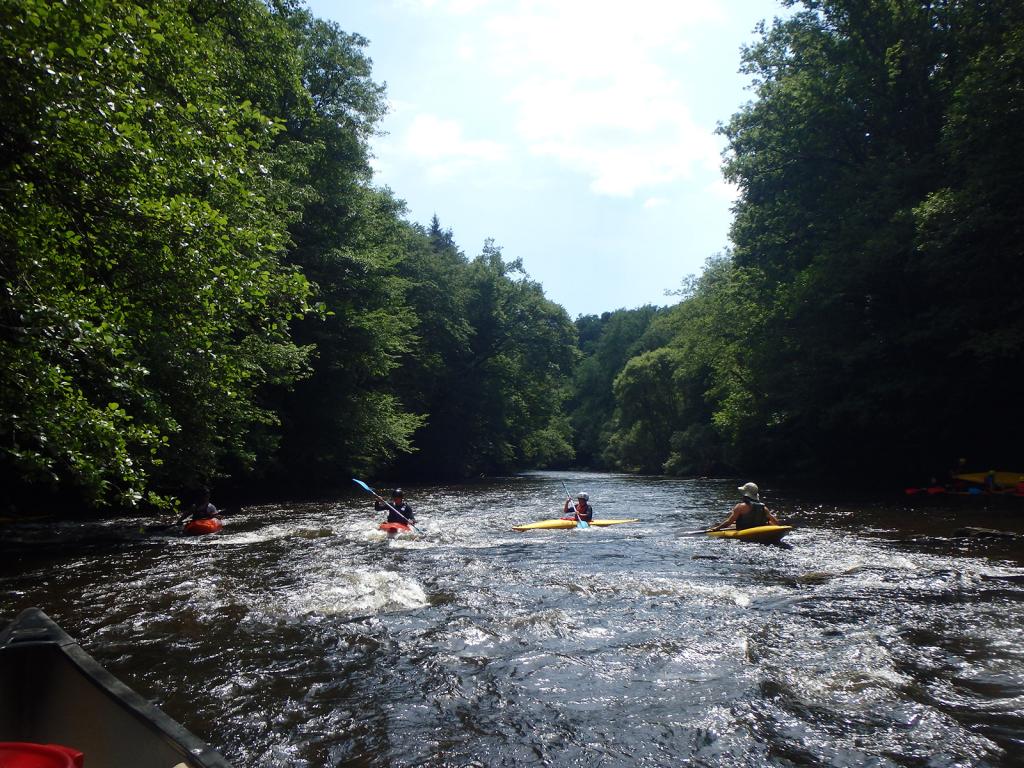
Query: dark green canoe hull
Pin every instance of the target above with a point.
(53, 692)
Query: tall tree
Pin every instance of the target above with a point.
(836, 160)
(348, 238)
(144, 300)
(606, 343)
(870, 308)
(491, 367)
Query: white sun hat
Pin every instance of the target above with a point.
(750, 490)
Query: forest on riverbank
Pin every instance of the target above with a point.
(202, 283)
(868, 320)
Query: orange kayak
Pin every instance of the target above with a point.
(200, 527)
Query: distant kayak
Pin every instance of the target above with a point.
(204, 526)
(764, 534)
(393, 529)
(57, 694)
(568, 522)
(1004, 480)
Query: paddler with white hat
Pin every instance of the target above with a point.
(750, 512)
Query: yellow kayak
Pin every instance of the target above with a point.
(1001, 479)
(570, 523)
(766, 534)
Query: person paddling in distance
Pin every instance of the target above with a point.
(749, 513)
(581, 510)
(200, 508)
(399, 511)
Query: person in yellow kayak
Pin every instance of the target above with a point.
(750, 512)
(581, 510)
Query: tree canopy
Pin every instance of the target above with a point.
(201, 281)
(869, 315)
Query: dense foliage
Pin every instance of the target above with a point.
(870, 317)
(491, 368)
(606, 343)
(200, 279)
(145, 299)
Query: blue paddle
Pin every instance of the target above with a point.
(384, 501)
(580, 523)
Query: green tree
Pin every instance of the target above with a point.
(606, 343)
(646, 415)
(968, 236)
(870, 308)
(349, 239)
(144, 299)
(490, 367)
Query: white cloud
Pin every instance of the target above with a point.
(455, 7)
(593, 85)
(625, 136)
(656, 202)
(439, 145)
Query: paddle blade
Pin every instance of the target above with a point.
(582, 524)
(363, 485)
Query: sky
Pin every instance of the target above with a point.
(579, 135)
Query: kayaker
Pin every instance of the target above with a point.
(750, 512)
(581, 510)
(402, 512)
(201, 508)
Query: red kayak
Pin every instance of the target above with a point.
(200, 527)
(394, 529)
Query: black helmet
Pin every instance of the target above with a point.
(397, 494)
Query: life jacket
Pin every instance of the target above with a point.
(403, 515)
(586, 515)
(755, 516)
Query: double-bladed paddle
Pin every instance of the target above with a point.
(384, 501)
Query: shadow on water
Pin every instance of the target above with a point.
(302, 636)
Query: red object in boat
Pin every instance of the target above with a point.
(23, 754)
(199, 527)
(394, 528)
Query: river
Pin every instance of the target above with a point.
(300, 636)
